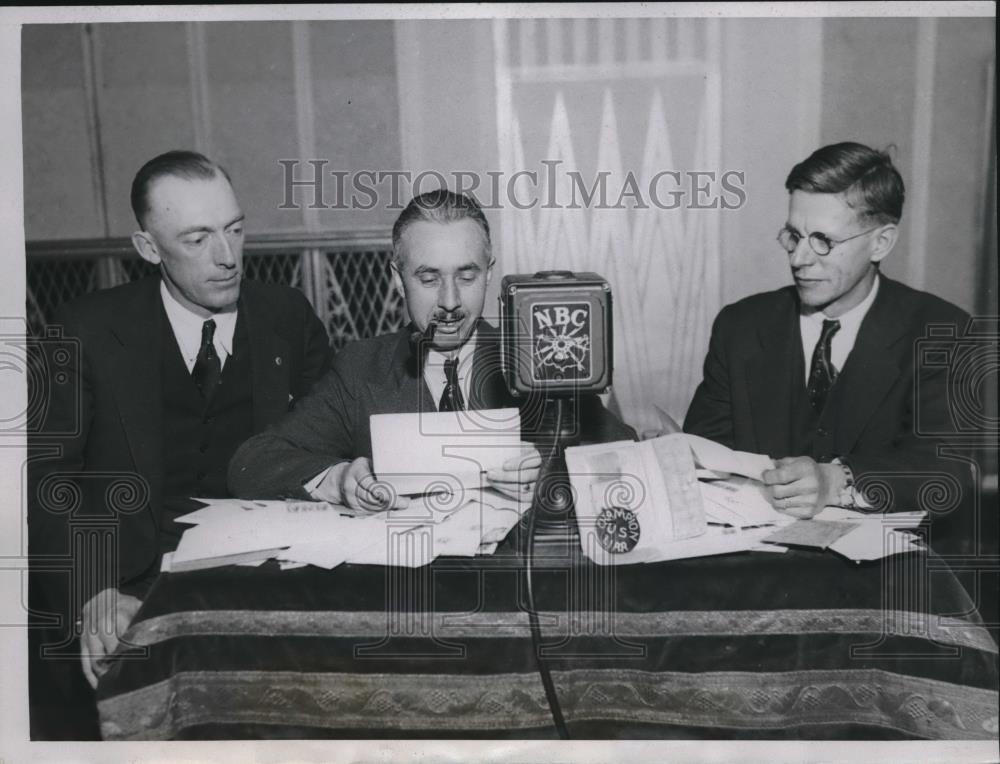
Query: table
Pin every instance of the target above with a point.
(803, 644)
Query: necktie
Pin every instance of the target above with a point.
(451, 398)
(821, 373)
(207, 366)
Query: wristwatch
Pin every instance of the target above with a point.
(846, 496)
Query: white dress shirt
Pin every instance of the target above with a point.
(811, 326)
(187, 324)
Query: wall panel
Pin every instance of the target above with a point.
(251, 97)
(59, 182)
(356, 109)
(144, 101)
(958, 158)
(869, 95)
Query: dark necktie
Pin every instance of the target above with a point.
(207, 366)
(821, 373)
(451, 398)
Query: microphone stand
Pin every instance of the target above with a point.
(546, 489)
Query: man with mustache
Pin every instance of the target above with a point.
(175, 371)
(822, 374)
(442, 264)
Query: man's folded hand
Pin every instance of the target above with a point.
(104, 618)
(352, 484)
(801, 486)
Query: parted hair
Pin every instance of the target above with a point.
(189, 165)
(870, 183)
(439, 206)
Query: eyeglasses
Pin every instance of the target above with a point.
(819, 243)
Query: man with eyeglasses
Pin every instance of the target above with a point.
(821, 375)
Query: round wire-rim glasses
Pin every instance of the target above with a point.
(819, 243)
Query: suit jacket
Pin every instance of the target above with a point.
(106, 422)
(888, 411)
(375, 376)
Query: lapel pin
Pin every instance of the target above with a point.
(277, 360)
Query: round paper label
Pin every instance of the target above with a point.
(617, 530)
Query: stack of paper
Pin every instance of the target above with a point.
(295, 533)
(739, 502)
(641, 502)
(682, 496)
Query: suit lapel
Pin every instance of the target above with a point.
(270, 361)
(487, 388)
(136, 348)
(771, 373)
(873, 366)
(410, 390)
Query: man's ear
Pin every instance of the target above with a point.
(883, 242)
(489, 270)
(146, 247)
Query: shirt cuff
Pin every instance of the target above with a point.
(313, 484)
(857, 496)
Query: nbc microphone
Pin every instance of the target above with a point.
(556, 334)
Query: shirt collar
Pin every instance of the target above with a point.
(187, 324)
(436, 358)
(852, 318)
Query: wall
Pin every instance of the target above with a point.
(921, 84)
(99, 100)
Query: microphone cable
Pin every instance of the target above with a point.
(533, 624)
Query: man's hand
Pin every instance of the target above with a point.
(352, 484)
(104, 617)
(802, 487)
(517, 477)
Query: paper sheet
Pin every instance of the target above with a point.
(873, 542)
(435, 451)
(740, 502)
(718, 458)
(814, 533)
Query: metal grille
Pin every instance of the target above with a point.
(353, 283)
(51, 283)
(132, 268)
(346, 278)
(284, 268)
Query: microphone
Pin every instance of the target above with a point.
(556, 334)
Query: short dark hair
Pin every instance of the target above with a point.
(439, 206)
(189, 165)
(867, 178)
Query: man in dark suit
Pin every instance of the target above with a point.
(825, 375)
(442, 264)
(173, 372)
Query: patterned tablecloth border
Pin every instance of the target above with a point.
(401, 703)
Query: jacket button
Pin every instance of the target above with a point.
(201, 476)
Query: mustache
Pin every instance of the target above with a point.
(457, 315)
